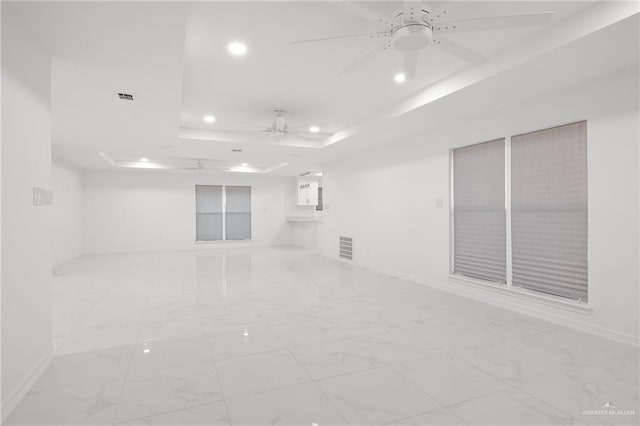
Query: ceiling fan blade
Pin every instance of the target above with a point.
(255, 126)
(233, 132)
(437, 6)
(410, 64)
(311, 135)
(367, 57)
(363, 12)
(495, 22)
(459, 51)
(370, 35)
(230, 132)
(306, 138)
(195, 159)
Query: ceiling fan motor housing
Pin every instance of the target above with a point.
(412, 36)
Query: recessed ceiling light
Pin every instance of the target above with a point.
(209, 119)
(237, 48)
(244, 164)
(400, 77)
(314, 129)
(144, 159)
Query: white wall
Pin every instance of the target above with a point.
(67, 212)
(388, 200)
(145, 210)
(305, 234)
(26, 241)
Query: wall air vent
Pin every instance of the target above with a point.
(346, 248)
(125, 96)
(305, 173)
(236, 150)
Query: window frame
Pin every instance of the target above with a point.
(576, 305)
(452, 218)
(224, 214)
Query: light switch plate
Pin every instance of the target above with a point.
(42, 197)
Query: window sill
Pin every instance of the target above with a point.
(223, 241)
(519, 293)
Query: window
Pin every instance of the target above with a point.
(223, 212)
(549, 210)
(208, 213)
(238, 212)
(319, 205)
(479, 218)
(528, 230)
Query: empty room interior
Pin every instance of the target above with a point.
(320, 213)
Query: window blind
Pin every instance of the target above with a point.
(319, 205)
(208, 212)
(479, 216)
(238, 212)
(549, 210)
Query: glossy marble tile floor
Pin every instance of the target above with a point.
(284, 336)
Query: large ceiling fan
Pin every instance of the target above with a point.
(418, 25)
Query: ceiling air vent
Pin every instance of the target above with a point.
(346, 248)
(236, 150)
(125, 96)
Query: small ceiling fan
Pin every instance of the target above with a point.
(198, 166)
(192, 164)
(418, 25)
(279, 129)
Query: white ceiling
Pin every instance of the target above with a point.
(173, 58)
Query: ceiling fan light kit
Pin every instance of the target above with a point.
(412, 36)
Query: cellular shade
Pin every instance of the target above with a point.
(208, 212)
(549, 210)
(479, 216)
(238, 212)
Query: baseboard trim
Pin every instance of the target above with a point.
(513, 303)
(13, 398)
(213, 245)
